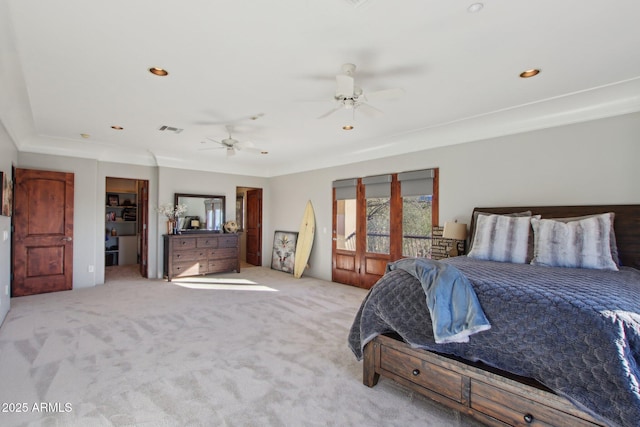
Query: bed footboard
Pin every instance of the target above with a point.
(492, 398)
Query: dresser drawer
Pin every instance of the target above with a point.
(208, 242)
(223, 253)
(516, 410)
(220, 265)
(189, 255)
(228, 241)
(184, 243)
(189, 268)
(423, 373)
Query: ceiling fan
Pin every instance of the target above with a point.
(231, 145)
(351, 97)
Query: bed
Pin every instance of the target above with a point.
(562, 341)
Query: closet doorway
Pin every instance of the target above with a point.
(126, 227)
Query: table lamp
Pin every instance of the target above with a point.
(454, 231)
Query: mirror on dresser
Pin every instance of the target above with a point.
(205, 212)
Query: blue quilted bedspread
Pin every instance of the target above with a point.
(577, 331)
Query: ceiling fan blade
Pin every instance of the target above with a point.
(210, 148)
(384, 94)
(248, 147)
(369, 110)
(328, 113)
(345, 86)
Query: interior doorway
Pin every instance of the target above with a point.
(126, 227)
(249, 219)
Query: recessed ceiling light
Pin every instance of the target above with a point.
(158, 71)
(347, 127)
(530, 73)
(117, 127)
(475, 7)
(85, 135)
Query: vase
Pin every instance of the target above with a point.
(171, 227)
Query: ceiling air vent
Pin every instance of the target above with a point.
(170, 129)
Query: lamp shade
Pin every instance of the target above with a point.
(455, 231)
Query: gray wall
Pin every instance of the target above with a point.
(585, 163)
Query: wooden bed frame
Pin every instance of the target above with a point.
(495, 397)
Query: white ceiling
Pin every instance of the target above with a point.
(78, 67)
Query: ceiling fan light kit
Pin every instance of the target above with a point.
(352, 97)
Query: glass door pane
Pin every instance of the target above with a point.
(378, 225)
(416, 226)
(346, 225)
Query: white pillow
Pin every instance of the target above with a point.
(584, 243)
(501, 238)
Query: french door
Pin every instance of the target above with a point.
(380, 219)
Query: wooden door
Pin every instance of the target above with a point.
(253, 226)
(143, 226)
(43, 232)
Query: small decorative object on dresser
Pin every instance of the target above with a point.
(173, 216)
(230, 227)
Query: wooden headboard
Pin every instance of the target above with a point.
(626, 224)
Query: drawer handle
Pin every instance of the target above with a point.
(416, 372)
(528, 418)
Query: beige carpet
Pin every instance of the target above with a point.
(257, 348)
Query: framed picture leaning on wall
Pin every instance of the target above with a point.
(284, 250)
(7, 194)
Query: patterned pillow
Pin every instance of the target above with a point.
(613, 245)
(584, 243)
(501, 238)
(474, 220)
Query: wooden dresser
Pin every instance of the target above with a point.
(491, 398)
(200, 253)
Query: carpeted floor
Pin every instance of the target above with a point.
(257, 348)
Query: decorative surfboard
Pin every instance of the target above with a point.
(305, 241)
